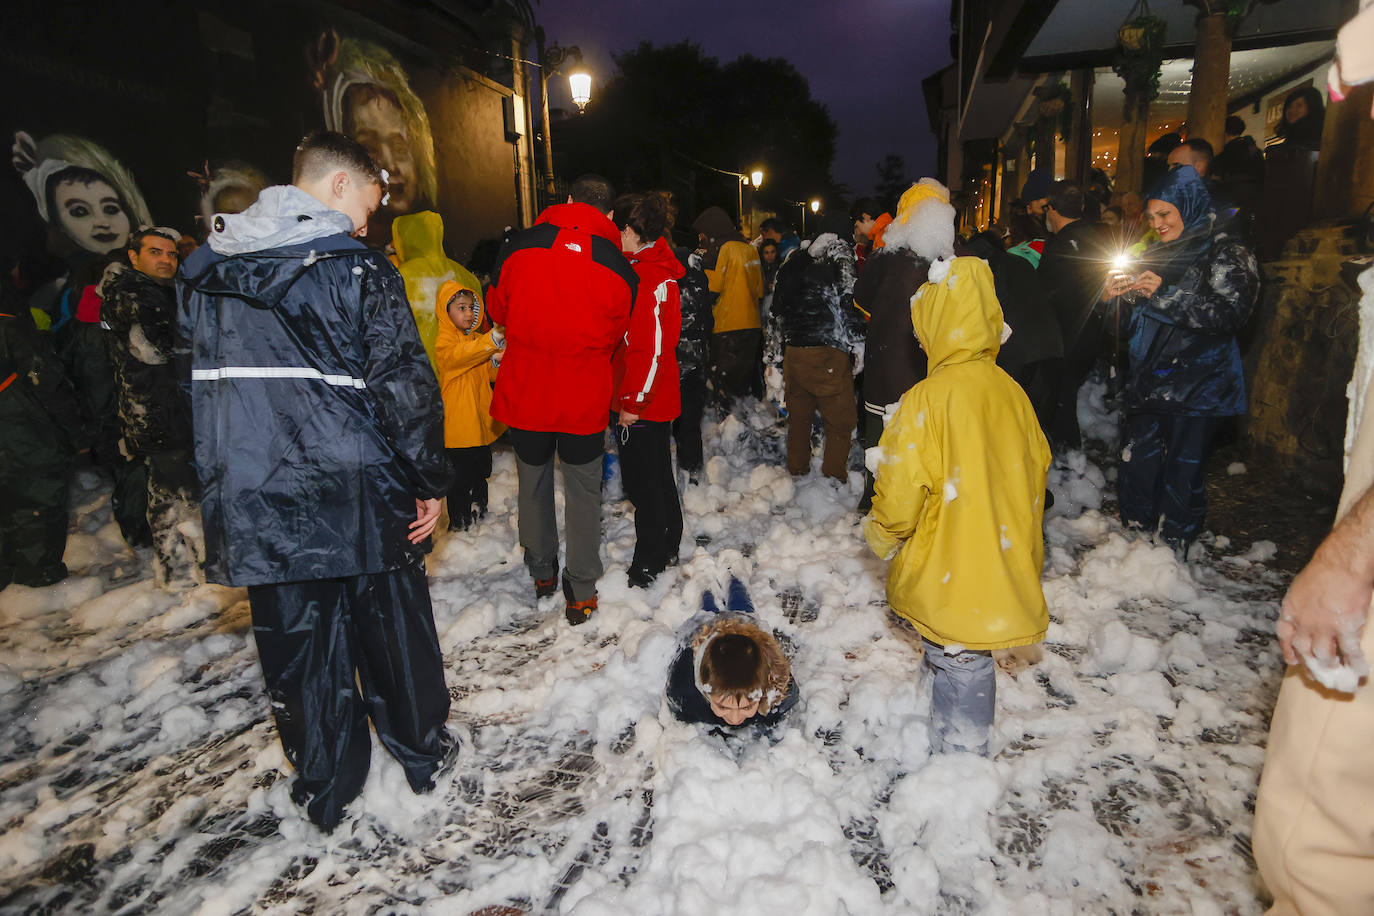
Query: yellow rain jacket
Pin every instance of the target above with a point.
(419, 242)
(738, 277)
(463, 362)
(961, 479)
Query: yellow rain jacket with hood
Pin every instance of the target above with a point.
(961, 478)
(466, 372)
(419, 242)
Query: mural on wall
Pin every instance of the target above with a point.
(366, 94)
(89, 201)
(230, 187)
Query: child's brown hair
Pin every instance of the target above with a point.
(738, 661)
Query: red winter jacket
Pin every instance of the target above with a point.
(563, 292)
(646, 380)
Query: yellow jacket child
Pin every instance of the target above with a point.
(464, 358)
(961, 478)
(466, 372)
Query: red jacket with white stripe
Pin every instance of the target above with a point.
(646, 380)
(563, 291)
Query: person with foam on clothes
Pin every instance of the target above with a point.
(729, 672)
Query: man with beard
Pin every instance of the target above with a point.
(139, 311)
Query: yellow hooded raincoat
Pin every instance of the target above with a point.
(738, 277)
(465, 369)
(961, 478)
(419, 241)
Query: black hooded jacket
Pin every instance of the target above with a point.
(318, 420)
(698, 321)
(1073, 270)
(893, 360)
(814, 296)
(1035, 333)
(140, 313)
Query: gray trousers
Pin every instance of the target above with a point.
(962, 700)
(582, 521)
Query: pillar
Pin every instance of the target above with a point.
(1211, 73)
(1345, 172)
(1130, 150)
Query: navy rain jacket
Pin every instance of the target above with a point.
(318, 419)
(1184, 358)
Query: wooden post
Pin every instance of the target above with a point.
(1211, 73)
(1344, 185)
(1130, 150)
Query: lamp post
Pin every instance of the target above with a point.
(756, 176)
(550, 61)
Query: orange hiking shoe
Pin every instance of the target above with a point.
(543, 588)
(579, 612)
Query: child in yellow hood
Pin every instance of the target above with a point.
(466, 357)
(959, 497)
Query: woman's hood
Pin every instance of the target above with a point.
(1183, 187)
(283, 216)
(956, 315)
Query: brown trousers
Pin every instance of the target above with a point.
(819, 378)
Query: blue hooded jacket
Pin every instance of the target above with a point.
(318, 420)
(1184, 358)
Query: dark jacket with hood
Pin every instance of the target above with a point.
(140, 314)
(318, 420)
(1073, 270)
(693, 344)
(39, 411)
(893, 360)
(1026, 308)
(1184, 358)
(814, 296)
(563, 291)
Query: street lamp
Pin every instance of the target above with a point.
(815, 205)
(756, 176)
(581, 85)
(551, 60)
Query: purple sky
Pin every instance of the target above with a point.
(864, 59)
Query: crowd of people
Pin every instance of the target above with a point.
(282, 409)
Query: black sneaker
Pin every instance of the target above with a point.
(641, 576)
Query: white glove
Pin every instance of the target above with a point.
(694, 260)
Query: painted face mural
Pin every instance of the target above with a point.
(90, 214)
(365, 93)
(81, 190)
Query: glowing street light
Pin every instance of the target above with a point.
(580, 83)
(756, 177)
(815, 205)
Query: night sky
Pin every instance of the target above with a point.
(865, 59)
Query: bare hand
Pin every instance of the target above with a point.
(426, 517)
(627, 418)
(1324, 614)
(1148, 283)
(1117, 283)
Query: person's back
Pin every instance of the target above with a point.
(319, 444)
(267, 302)
(563, 291)
(958, 500)
(814, 297)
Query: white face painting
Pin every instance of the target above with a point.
(91, 215)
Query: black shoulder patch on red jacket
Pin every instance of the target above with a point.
(608, 254)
